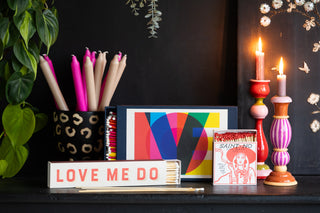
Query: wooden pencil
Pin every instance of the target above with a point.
(139, 189)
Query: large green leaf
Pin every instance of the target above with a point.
(47, 27)
(34, 50)
(24, 56)
(5, 147)
(19, 87)
(41, 121)
(19, 123)
(3, 166)
(4, 30)
(19, 5)
(15, 156)
(25, 25)
(14, 35)
(16, 65)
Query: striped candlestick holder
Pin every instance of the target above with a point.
(280, 136)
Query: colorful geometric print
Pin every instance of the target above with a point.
(184, 136)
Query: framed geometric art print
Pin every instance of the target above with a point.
(172, 132)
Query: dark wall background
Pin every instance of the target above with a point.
(284, 37)
(192, 62)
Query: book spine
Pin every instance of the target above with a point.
(111, 135)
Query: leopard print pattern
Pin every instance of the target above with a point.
(79, 135)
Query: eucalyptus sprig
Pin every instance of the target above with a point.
(24, 26)
(153, 14)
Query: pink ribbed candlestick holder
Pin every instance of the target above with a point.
(280, 136)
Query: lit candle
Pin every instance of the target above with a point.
(259, 62)
(281, 79)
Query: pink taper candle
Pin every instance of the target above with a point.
(281, 79)
(259, 62)
(78, 86)
(120, 56)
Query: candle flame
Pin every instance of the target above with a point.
(260, 45)
(281, 66)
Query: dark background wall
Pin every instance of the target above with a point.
(192, 62)
(284, 37)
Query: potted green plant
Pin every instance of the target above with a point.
(24, 26)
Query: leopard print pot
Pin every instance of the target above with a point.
(79, 135)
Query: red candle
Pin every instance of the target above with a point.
(259, 62)
(281, 79)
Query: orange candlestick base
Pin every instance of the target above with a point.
(284, 178)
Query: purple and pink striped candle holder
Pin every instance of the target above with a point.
(280, 136)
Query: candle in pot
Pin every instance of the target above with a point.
(259, 62)
(281, 79)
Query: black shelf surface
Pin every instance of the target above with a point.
(20, 194)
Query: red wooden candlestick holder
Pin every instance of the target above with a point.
(260, 90)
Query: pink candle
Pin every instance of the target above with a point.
(78, 86)
(259, 62)
(281, 79)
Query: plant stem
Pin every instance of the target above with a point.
(2, 134)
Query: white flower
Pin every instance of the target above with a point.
(299, 2)
(316, 47)
(291, 7)
(315, 126)
(265, 21)
(313, 98)
(309, 23)
(264, 8)
(276, 4)
(308, 6)
(315, 1)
